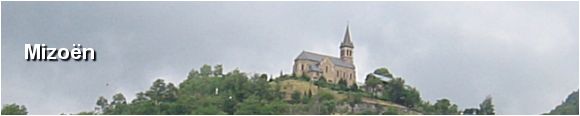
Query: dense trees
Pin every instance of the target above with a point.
(444, 107)
(14, 109)
(471, 111)
(393, 89)
(210, 91)
(383, 85)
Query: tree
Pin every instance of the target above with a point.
(471, 111)
(171, 93)
(119, 98)
(14, 109)
(118, 106)
(205, 70)
(411, 97)
(263, 77)
(140, 98)
(486, 107)
(342, 85)
(444, 107)
(156, 91)
(103, 103)
(192, 74)
(426, 108)
(396, 89)
(354, 87)
(218, 70)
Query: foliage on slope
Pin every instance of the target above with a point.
(568, 107)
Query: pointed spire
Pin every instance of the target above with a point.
(347, 42)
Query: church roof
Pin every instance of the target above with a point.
(347, 42)
(315, 68)
(305, 55)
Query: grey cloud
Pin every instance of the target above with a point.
(524, 54)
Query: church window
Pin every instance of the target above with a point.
(302, 66)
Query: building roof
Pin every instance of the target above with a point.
(383, 78)
(305, 55)
(347, 42)
(315, 68)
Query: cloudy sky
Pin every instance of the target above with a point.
(523, 54)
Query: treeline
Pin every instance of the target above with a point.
(208, 90)
(383, 85)
(14, 109)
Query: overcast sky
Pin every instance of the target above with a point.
(523, 54)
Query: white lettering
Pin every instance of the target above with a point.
(40, 52)
(51, 55)
(65, 55)
(31, 53)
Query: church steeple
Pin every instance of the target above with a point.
(347, 42)
(346, 47)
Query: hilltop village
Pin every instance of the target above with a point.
(319, 84)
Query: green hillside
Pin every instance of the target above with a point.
(209, 91)
(568, 107)
(304, 86)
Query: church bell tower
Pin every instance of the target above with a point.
(346, 47)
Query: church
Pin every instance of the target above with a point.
(332, 68)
